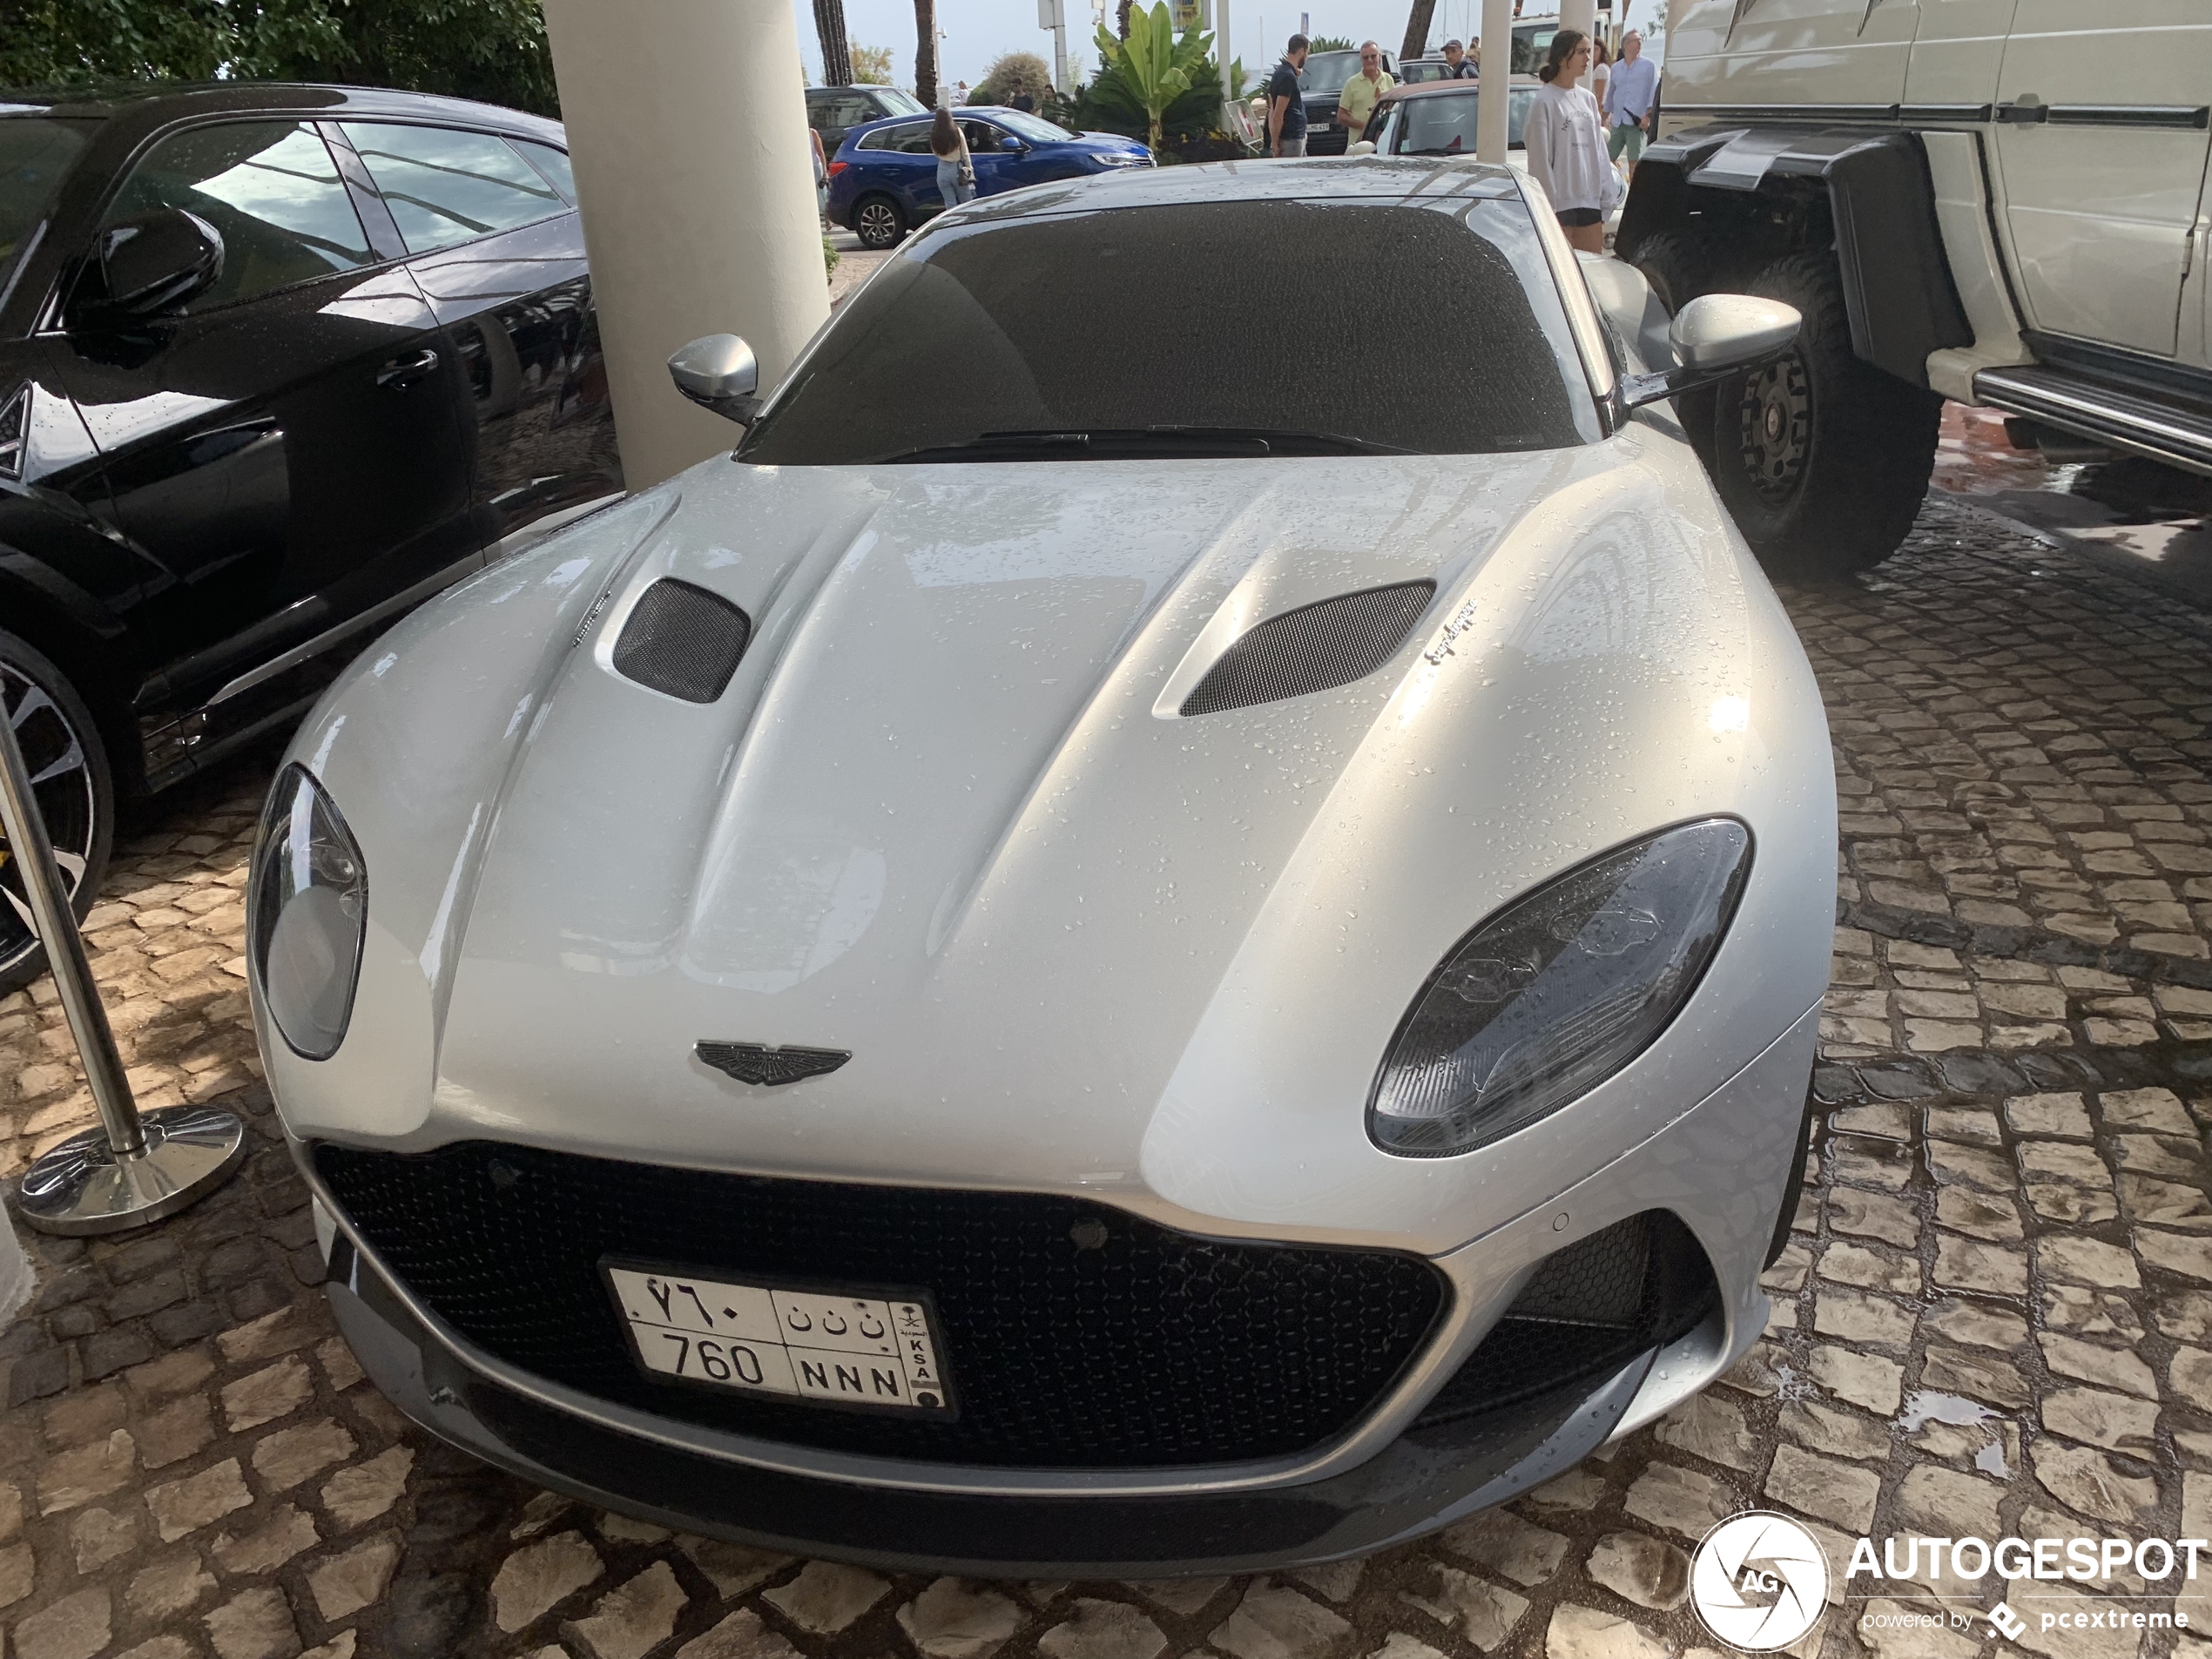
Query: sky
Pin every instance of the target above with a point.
(976, 32)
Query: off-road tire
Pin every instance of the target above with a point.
(880, 222)
(1677, 269)
(1822, 460)
(75, 789)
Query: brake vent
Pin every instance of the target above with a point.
(682, 640)
(1317, 646)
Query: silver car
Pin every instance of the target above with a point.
(1131, 942)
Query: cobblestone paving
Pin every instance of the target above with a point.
(1995, 1315)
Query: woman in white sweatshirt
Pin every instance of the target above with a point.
(1566, 140)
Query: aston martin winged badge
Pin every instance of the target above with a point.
(756, 1063)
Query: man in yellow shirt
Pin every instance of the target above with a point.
(1363, 92)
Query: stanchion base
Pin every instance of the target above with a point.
(81, 1186)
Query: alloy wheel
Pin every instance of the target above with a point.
(63, 782)
(876, 224)
(1776, 427)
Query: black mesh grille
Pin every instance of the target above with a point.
(1312, 649)
(682, 640)
(1589, 1309)
(1153, 1348)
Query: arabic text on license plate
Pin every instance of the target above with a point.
(837, 1349)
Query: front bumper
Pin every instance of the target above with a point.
(1719, 1167)
(1426, 1479)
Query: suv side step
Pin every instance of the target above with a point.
(2174, 431)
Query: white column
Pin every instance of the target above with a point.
(1490, 126)
(1579, 14)
(687, 125)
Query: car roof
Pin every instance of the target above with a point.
(1454, 88)
(959, 111)
(1407, 179)
(156, 103)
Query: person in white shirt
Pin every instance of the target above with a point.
(1567, 145)
(1629, 98)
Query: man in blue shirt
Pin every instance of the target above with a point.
(1287, 102)
(1630, 91)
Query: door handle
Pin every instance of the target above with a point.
(405, 371)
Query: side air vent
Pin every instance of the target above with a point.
(683, 640)
(1312, 649)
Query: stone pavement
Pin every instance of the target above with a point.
(1995, 1315)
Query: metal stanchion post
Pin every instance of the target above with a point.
(133, 1170)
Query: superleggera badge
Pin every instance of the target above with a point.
(756, 1062)
(1436, 654)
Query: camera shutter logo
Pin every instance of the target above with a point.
(1759, 1581)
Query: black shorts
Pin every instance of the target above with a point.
(1575, 218)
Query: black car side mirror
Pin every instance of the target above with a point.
(156, 262)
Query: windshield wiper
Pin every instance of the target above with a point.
(1108, 444)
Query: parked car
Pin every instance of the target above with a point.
(835, 111)
(883, 179)
(276, 363)
(1418, 72)
(1321, 81)
(1438, 118)
(2009, 216)
(1112, 950)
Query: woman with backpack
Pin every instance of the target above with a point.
(955, 167)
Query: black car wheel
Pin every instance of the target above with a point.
(75, 794)
(1822, 459)
(878, 222)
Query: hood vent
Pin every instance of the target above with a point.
(1312, 649)
(682, 640)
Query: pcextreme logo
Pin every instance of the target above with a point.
(1760, 1582)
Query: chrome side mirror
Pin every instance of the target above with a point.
(1712, 336)
(720, 372)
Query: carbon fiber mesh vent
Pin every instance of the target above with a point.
(1077, 1335)
(682, 640)
(1312, 649)
(1589, 1309)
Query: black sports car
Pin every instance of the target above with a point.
(276, 362)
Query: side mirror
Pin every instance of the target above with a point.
(155, 261)
(1364, 147)
(1011, 142)
(1712, 336)
(719, 372)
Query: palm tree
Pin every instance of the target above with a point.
(837, 55)
(926, 52)
(1417, 24)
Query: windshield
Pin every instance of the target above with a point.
(1092, 323)
(895, 102)
(1530, 42)
(1443, 124)
(1328, 71)
(1035, 129)
(35, 152)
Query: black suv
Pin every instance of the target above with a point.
(1322, 80)
(835, 111)
(276, 362)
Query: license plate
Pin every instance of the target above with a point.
(834, 1348)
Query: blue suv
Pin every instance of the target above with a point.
(883, 181)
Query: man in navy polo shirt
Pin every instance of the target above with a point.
(1287, 102)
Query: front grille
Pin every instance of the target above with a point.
(1589, 1309)
(1149, 1347)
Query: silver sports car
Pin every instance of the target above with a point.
(1175, 924)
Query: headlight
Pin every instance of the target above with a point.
(1558, 991)
(308, 907)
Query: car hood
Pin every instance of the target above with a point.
(947, 817)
